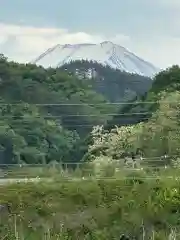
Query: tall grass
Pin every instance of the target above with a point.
(140, 204)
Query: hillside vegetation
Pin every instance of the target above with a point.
(45, 114)
(158, 133)
(98, 209)
(110, 194)
(113, 84)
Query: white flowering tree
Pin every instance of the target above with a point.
(158, 137)
(111, 146)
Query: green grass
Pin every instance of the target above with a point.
(93, 209)
(32, 171)
(84, 170)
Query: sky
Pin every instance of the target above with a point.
(148, 28)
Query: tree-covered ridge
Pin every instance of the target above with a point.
(154, 137)
(114, 84)
(45, 113)
(167, 81)
(111, 199)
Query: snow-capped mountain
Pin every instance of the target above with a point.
(106, 53)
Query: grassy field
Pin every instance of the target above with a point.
(133, 204)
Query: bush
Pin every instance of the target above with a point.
(94, 209)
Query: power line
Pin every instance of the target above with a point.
(68, 121)
(105, 124)
(82, 115)
(90, 104)
(88, 115)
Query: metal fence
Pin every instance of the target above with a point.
(80, 169)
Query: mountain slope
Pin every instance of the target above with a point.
(106, 53)
(166, 84)
(45, 114)
(113, 84)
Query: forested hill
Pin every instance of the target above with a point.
(157, 137)
(166, 82)
(114, 84)
(45, 113)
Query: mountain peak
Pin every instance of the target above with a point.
(106, 53)
(107, 42)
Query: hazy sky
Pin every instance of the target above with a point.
(149, 28)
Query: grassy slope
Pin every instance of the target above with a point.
(101, 209)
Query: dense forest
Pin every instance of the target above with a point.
(157, 135)
(46, 114)
(113, 84)
(166, 81)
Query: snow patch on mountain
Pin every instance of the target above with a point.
(106, 53)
